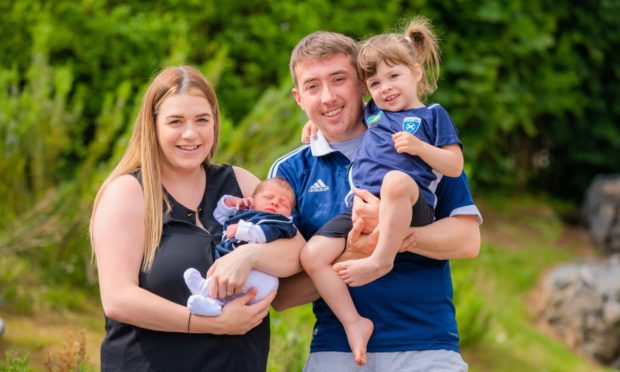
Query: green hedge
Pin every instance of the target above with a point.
(532, 86)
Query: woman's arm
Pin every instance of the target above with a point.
(279, 258)
(246, 180)
(118, 241)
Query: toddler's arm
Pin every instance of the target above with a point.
(447, 160)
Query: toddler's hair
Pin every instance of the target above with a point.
(417, 44)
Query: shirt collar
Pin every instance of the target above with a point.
(319, 145)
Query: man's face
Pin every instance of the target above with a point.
(330, 94)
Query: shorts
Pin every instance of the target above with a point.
(339, 226)
(401, 361)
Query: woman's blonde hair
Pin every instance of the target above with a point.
(143, 153)
(417, 44)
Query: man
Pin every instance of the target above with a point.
(411, 307)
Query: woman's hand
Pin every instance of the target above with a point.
(229, 273)
(238, 317)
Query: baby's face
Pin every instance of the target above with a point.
(274, 199)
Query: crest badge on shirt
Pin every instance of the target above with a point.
(371, 122)
(411, 124)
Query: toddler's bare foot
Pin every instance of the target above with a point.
(358, 334)
(363, 271)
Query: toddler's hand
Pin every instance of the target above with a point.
(405, 142)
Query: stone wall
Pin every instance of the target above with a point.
(581, 302)
(601, 211)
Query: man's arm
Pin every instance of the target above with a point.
(294, 291)
(448, 238)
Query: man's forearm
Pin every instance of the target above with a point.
(294, 291)
(448, 238)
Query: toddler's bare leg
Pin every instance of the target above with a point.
(398, 193)
(316, 258)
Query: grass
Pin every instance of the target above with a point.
(52, 336)
(523, 238)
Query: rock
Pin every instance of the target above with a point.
(581, 303)
(601, 210)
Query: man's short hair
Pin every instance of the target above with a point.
(321, 44)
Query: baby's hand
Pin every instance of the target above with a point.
(405, 142)
(239, 203)
(231, 201)
(231, 231)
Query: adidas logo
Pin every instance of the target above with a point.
(319, 186)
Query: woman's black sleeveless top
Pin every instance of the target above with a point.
(183, 245)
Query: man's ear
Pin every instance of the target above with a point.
(297, 97)
(364, 88)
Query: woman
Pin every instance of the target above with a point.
(141, 252)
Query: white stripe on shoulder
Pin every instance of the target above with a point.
(433, 106)
(468, 210)
(273, 171)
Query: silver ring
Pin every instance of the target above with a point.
(230, 293)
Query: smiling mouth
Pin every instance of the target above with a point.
(334, 112)
(189, 148)
(391, 98)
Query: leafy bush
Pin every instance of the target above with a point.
(532, 92)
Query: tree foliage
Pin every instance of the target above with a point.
(532, 86)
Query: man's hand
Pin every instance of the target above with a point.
(359, 245)
(364, 235)
(365, 206)
(409, 242)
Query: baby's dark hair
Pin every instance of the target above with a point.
(417, 44)
(283, 183)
